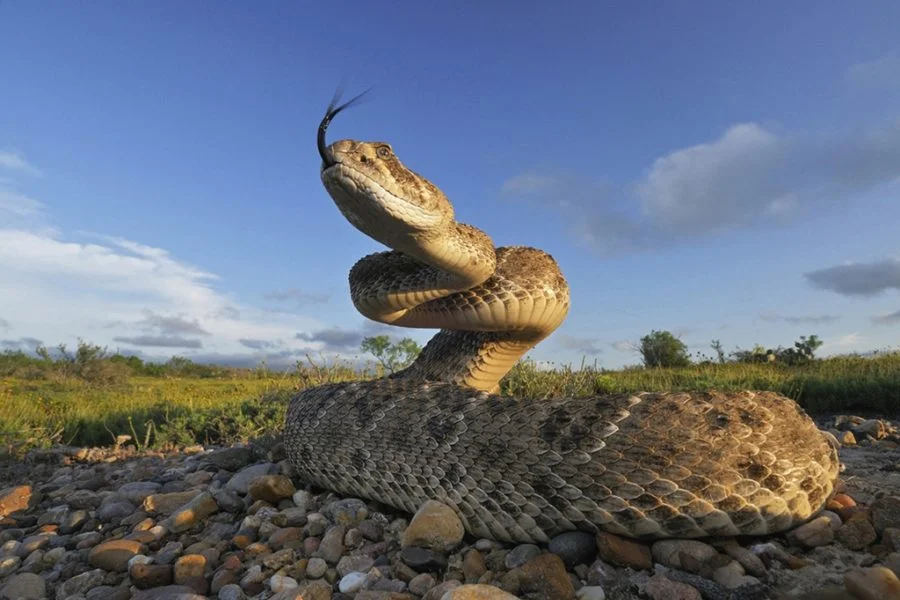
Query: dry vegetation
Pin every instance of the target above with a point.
(89, 397)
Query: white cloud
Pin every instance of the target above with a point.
(625, 346)
(58, 290)
(849, 340)
(580, 345)
(750, 176)
(13, 204)
(14, 162)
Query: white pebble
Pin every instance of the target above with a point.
(139, 559)
(282, 583)
(590, 592)
(302, 499)
(352, 582)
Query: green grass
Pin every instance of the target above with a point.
(165, 411)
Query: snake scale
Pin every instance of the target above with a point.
(642, 465)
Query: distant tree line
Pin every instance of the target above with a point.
(663, 349)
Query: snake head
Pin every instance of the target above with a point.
(376, 192)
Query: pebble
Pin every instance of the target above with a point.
(660, 587)
(349, 511)
(857, 533)
(545, 576)
(874, 583)
(623, 552)
(435, 525)
(316, 568)
(352, 582)
(422, 559)
(114, 555)
(520, 555)
(17, 498)
(477, 592)
(675, 553)
(574, 548)
(218, 525)
(817, 532)
(271, 488)
(240, 481)
(24, 586)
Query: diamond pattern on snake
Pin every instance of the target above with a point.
(642, 465)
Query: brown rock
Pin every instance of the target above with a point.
(473, 566)
(166, 504)
(436, 526)
(286, 537)
(478, 591)
(145, 576)
(874, 583)
(221, 578)
(892, 562)
(189, 566)
(192, 513)
(17, 498)
(817, 532)
(114, 555)
(857, 533)
(683, 554)
(314, 590)
(624, 552)
(662, 588)
(545, 576)
(167, 592)
(271, 488)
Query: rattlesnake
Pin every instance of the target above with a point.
(643, 465)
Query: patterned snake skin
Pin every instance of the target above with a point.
(646, 465)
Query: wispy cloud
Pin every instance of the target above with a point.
(849, 340)
(589, 346)
(259, 344)
(880, 72)
(799, 319)
(297, 296)
(625, 346)
(172, 324)
(18, 205)
(334, 338)
(887, 319)
(751, 176)
(4, 325)
(15, 162)
(159, 341)
(858, 279)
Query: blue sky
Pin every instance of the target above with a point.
(719, 170)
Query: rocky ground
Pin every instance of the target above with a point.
(229, 523)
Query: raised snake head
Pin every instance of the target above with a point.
(377, 193)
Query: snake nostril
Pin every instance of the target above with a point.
(363, 158)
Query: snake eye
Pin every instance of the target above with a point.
(383, 152)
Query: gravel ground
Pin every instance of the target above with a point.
(233, 523)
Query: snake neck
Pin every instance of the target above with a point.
(472, 359)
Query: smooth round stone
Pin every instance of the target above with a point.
(316, 568)
(352, 582)
(574, 548)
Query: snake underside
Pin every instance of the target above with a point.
(644, 465)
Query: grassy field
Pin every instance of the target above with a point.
(38, 409)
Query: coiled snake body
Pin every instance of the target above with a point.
(645, 465)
